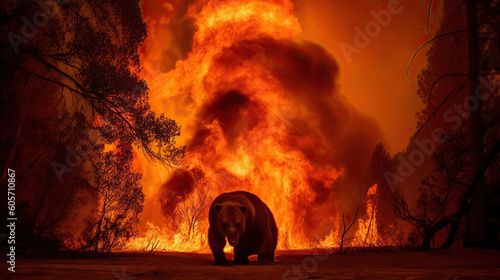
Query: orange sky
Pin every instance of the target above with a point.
(375, 80)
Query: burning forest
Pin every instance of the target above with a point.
(371, 129)
(265, 114)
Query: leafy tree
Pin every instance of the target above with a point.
(70, 68)
(458, 89)
(90, 50)
(47, 207)
(119, 198)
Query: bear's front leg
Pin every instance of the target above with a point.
(266, 252)
(240, 256)
(217, 241)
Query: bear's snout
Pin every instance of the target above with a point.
(232, 236)
(233, 242)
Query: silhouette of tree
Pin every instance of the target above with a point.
(50, 207)
(35, 133)
(458, 89)
(119, 199)
(192, 211)
(345, 230)
(378, 166)
(71, 68)
(90, 49)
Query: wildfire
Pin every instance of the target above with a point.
(367, 234)
(256, 110)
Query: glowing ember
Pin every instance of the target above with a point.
(261, 113)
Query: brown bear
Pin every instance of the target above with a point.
(248, 225)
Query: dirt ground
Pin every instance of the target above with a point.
(445, 264)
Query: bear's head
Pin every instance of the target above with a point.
(231, 220)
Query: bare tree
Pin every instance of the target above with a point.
(430, 218)
(346, 230)
(192, 211)
(151, 244)
(391, 236)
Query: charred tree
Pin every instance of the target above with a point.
(459, 91)
(477, 230)
(192, 211)
(345, 229)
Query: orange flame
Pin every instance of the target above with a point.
(367, 234)
(243, 130)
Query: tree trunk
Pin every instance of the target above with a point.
(477, 233)
(455, 219)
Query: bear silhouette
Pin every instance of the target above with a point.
(248, 225)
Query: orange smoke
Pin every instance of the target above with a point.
(260, 112)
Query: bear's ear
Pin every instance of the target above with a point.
(218, 207)
(243, 209)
